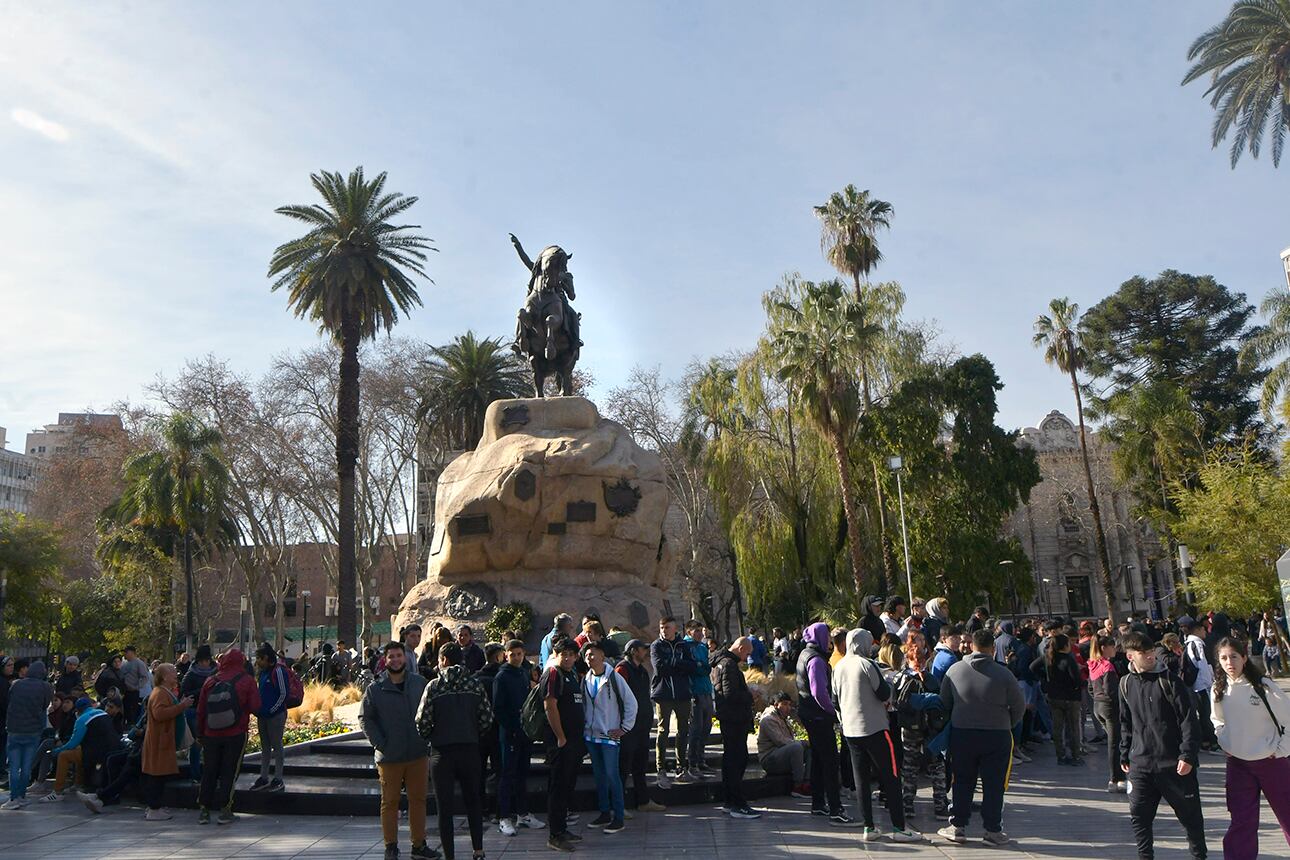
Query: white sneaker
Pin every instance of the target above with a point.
(1115, 787)
(1020, 756)
(52, 797)
(953, 834)
(91, 801)
(870, 834)
(507, 826)
(15, 803)
(663, 782)
(531, 821)
(157, 815)
(906, 835)
(997, 838)
(572, 818)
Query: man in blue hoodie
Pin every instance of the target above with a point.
(26, 718)
(87, 748)
(816, 712)
(704, 710)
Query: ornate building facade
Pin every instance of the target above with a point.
(1056, 529)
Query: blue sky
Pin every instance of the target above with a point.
(1029, 150)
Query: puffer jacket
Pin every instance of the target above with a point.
(454, 709)
(29, 700)
(388, 717)
(734, 702)
(674, 666)
(815, 676)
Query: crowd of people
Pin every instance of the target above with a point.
(138, 726)
(905, 700)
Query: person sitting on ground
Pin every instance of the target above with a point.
(93, 737)
(779, 752)
(71, 675)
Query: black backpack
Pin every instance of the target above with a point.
(223, 707)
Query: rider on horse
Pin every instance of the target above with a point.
(549, 293)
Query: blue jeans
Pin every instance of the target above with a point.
(609, 785)
(22, 754)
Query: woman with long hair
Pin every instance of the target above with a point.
(1250, 715)
(918, 727)
(1063, 685)
(1105, 682)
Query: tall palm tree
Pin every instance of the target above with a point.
(179, 491)
(1056, 335)
(352, 273)
(1271, 343)
(819, 338)
(849, 223)
(1247, 56)
(465, 376)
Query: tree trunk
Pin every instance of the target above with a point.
(1099, 535)
(887, 573)
(189, 644)
(346, 463)
(849, 506)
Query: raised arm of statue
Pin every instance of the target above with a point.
(519, 249)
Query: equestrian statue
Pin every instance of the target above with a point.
(548, 327)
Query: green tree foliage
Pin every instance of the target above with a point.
(175, 499)
(1271, 344)
(1183, 329)
(1236, 519)
(1058, 334)
(31, 559)
(1247, 59)
(352, 273)
(964, 475)
(819, 339)
(465, 376)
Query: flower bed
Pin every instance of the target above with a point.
(296, 733)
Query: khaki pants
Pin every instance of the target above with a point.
(415, 777)
(68, 759)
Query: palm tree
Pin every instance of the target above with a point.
(1272, 343)
(1247, 56)
(351, 274)
(1056, 334)
(463, 378)
(818, 341)
(177, 495)
(849, 223)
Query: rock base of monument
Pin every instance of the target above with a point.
(617, 599)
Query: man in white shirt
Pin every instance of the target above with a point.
(1194, 652)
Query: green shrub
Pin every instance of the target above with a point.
(517, 617)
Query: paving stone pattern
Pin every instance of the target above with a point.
(1051, 811)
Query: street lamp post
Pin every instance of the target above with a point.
(896, 464)
(304, 622)
(241, 624)
(1007, 562)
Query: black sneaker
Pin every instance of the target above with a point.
(424, 852)
(841, 819)
(600, 820)
(275, 787)
(571, 837)
(614, 826)
(743, 812)
(559, 843)
(392, 851)
(260, 784)
(204, 817)
(823, 813)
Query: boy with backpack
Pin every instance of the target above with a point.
(280, 690)
(1159, 744)
(609, 713)
(228, 699)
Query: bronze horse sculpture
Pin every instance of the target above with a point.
(547, 330)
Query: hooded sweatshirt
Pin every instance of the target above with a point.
(860, 689)
(1158, 723)
(814, 676)
(1003, 642)
(872, 621)
(1194, 649)
(608, 703)
(29, 700)
(232, 670)
(981, 694)
(1104, 681)
(1245, 728)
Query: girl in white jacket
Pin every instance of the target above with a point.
(1250, 715)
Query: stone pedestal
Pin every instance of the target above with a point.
(558, 508)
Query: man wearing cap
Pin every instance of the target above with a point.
(634, 755)
(565, 747)
(71, 677)
(93, 737)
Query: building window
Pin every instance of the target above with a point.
(333, 605)
(1079, 596)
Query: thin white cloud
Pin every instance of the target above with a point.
(33, 121)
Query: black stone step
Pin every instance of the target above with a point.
(335, 764)
(347, 795)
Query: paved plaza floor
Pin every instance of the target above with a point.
(1051, 811)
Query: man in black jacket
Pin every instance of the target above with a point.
(634, 754)
(1159, 745)
(674, 666)
(454, 716)
(510, 688)
(734, 706)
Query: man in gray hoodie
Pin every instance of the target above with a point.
(27, 717)
(861, 693)
(985, 702)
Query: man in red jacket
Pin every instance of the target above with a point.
(228, 699)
